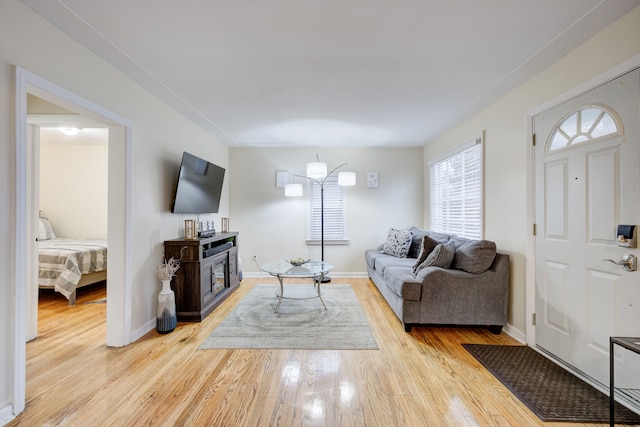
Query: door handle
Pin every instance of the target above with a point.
(629, 262)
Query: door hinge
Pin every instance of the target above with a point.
(534, 229)
(533, 318)
(533, 139)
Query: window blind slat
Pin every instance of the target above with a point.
(333, 210)
(456, 193)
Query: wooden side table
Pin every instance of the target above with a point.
(631, 344)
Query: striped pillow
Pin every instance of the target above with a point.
(441, 256)
(426, 247)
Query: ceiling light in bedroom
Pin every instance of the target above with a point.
(69, 130)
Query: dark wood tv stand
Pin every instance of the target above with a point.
(208, 273)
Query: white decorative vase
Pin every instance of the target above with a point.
(166, 313)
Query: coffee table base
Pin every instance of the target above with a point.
(316, 285)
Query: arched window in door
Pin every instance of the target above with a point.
(588, 124)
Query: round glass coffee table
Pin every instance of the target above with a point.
(315, 270)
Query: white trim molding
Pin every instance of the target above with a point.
(120, 202)
(530, 255)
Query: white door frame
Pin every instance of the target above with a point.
(625, 67)
(119, 281)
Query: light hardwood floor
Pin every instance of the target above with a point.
(424, 378)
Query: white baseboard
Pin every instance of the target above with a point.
(514, 333)
(143, 330)
(6, 415)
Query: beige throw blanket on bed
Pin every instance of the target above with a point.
(63, 261)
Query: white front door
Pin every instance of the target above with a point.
(587, 183)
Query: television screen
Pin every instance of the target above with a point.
(199, 186)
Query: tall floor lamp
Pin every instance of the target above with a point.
(317, 173)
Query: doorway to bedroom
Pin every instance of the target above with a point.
(118, 311)
(70, 188)
(69, 198)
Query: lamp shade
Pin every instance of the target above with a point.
(347, 178)
(293, 190)
(316, 170)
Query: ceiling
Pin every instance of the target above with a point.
(339, 73)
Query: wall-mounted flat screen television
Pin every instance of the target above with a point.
(199, 186)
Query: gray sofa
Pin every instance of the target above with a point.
(443, 296)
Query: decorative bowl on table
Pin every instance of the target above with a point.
(297, 262)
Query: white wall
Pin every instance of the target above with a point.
(74, 182)
(507, 143)
(274, 227)
(159, 135)
(271, 226)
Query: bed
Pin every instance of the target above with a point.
(67, 264)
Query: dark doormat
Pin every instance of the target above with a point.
(550, 391)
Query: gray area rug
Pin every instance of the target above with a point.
(299, 324)
(550, 391)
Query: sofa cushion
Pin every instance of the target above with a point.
(382, 262)
(418, 234)
(398, 243)
(440, 237)
(427, 246)
(474, 256)
(370, 255)
(459, 241)
(441, 256)
(403, 283)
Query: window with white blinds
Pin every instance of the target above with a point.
(334, 212)
(456, 191)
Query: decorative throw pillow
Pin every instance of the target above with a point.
(427, 246)
(45, 231)
(398, 243)
(475, 256)
(416, 241)
(441, 256)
